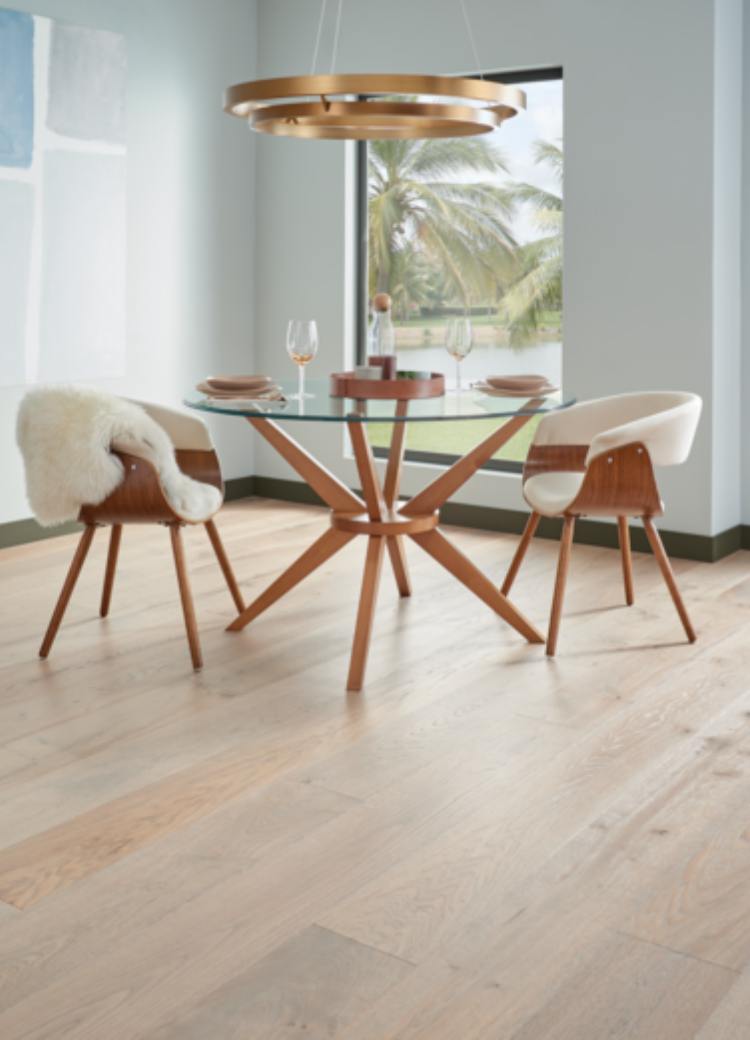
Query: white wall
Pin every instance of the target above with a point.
(191, 281)
(727, 288)
(641, 177)
(745, 286)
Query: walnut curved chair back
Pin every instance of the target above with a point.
(597, 459)
(140, 498)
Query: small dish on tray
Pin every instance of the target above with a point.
(237, 384)
(239, 398)
(517, 382)
(540, 390)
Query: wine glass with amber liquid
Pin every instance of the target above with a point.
(301, 346)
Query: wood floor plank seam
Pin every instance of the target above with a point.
(737, 972)
(364, 945)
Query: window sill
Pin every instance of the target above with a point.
(434, 458)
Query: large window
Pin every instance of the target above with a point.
(469, 227)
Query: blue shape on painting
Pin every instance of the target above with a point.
(16, 88)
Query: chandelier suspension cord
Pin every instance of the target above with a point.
(318, 35)
(472, 41)
(336, 36)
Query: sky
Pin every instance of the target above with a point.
(515, 139)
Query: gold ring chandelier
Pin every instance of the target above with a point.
(366, 106)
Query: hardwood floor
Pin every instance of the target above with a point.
(485, 844)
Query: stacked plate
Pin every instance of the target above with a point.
(240, 388)
(516, 386)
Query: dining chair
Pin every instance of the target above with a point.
(597, 459)
(143, 497)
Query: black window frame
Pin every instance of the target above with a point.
(433, 457)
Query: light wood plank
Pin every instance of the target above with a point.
(316, 984)
(477, 812)
(40, 865)
(729, 1020)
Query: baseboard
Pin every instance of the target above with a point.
(20, 532)
(705, 548)
(240, 487)
(287, 491)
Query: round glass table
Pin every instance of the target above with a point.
(376, 512)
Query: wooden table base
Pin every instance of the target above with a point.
(376, 516)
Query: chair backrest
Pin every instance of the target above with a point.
(70, 438)
(663, 421)
(187, 432)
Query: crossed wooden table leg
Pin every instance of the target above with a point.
(377, 516)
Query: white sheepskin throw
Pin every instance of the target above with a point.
(66, 435)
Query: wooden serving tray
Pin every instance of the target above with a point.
(346, 384)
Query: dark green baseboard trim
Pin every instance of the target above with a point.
(287, 491)
(239, 487)
(705, 548)
(19, 532)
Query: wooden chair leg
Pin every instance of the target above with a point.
(627, 560)
(665, 567)
(109, 574)
(74, 570)
(515, 565)
(186, 596)
(563, 562)
(225, 565)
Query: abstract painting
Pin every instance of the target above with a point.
(62, 201)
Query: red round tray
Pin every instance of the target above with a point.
(346, 384)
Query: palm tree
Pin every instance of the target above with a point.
(411, 280)
(421, 200)
(537, 286)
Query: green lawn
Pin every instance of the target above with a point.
(455, 437)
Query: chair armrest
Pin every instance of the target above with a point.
(202, 466)
(139, 498)
(620, 482)
(142, 498)
(554, 458)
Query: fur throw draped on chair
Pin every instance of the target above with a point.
(66, 436)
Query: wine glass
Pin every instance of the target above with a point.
(301, 346)
(458, 343)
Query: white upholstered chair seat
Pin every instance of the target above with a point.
(551, 493)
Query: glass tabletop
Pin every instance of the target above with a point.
(322, 407)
